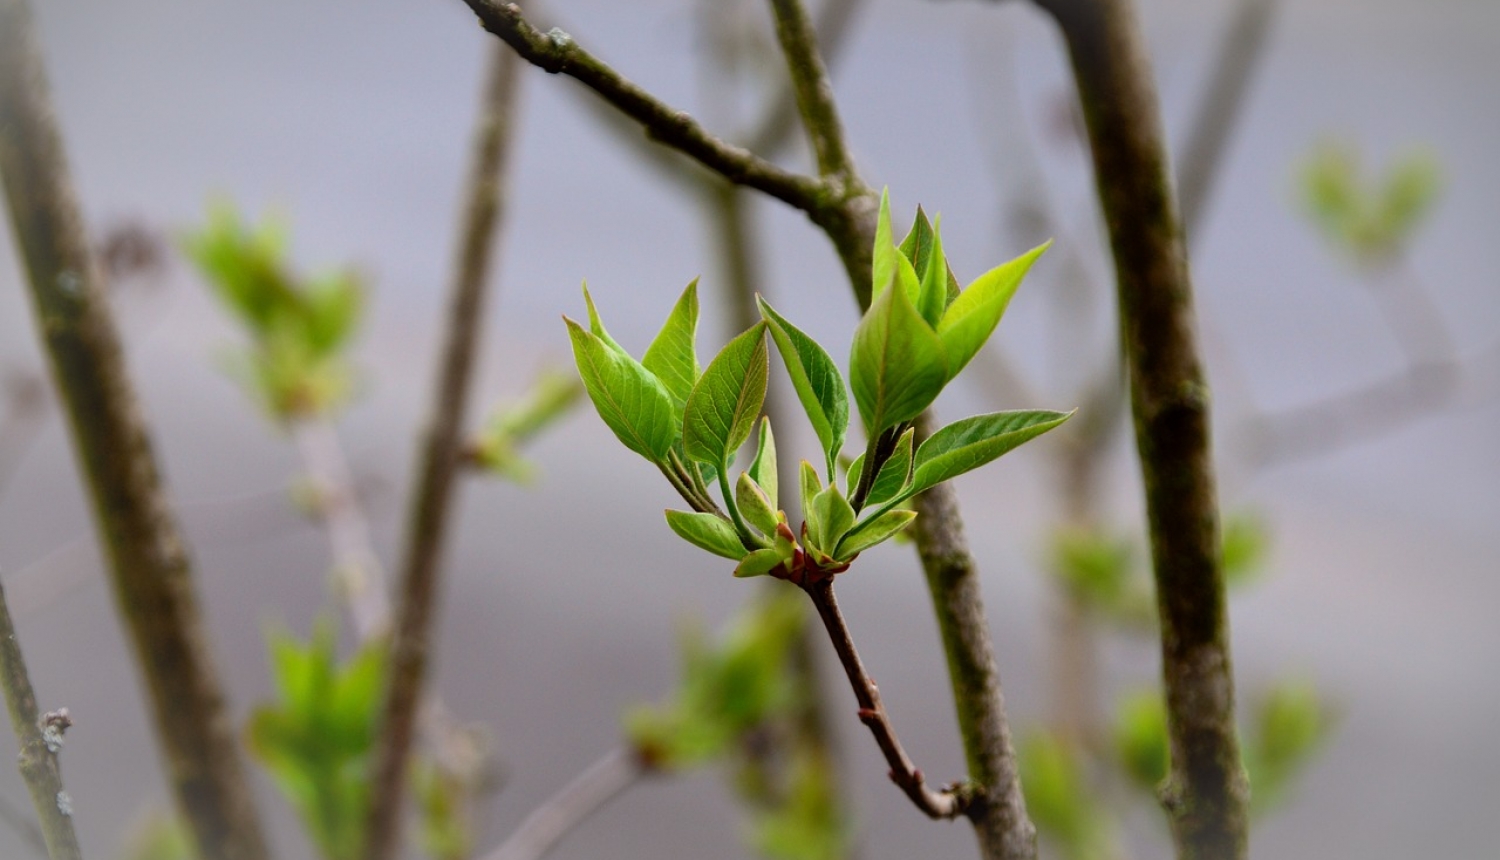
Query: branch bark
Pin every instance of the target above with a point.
(38, 755)
(1205, 794)
(148, 562)
(441, 450)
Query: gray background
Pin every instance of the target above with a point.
(353, 120)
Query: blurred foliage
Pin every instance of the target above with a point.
(737, 703)
(446, 829)
(497, 448)
(298, 328)
(727, 689)
(159, 836)
(1292, 722)
(1140, 738)
(1061, 801)
(316, 740)
(1371, 219)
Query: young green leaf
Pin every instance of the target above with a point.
(834, 518)
(872, 532)
(758, 563)
(894, 474)
(918, 242)
(596, 325)
(851, 475)
(972, 317)
(808, 479)
(754, 505)
(722, 409)
(763, 467)
(631, 400)
(707, 531)
(888, 265)
(932, 298)
(816, 379)
(896, 366)
(672, 356)
(970, 443)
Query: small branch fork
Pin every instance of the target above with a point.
(948, 803)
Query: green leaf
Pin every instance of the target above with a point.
(872, 532)
(630, 399)
(932, 298)
(1140, 737)
(672, 356)
(754, 505)
(816, 379)
(834, 518)
(763, 467)
(596, 325)
(851, 474)
(895, 473)
(968, 444)
(896, 366)
(722, 409)
(758, 563)
(917, 246)
(887, 264)
(972, 317)
(808, 479)
(707, 531)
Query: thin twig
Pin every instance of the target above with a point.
(1221, 106)
(38, 757)
(814, 90)
(440, 452)
(557, 53)
(936, 804)
(1205, 793)
(589, 792)
(148, 562)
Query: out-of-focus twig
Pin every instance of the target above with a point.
(148, 562)
(39, 739)
(587, 793)
(440, 448)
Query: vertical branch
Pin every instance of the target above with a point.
(38, 756)
(148, 563)
(1206, 794)
(1000, 819)
(439, 458)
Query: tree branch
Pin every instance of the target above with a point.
(557, 53)
(814, 90)
(441, 449)
(38, 755)
(1205, 794)
(949, 803)
(148, 563)
(589, 792)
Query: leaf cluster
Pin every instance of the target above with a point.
(920, 331)
(1372, 219)
(299, 328)
(317, 738)
(497, 448)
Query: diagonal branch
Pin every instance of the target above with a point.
(148, 562)
(440, 453)
(38, 755)
(586, 794)
(556, 52)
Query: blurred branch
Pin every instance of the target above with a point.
(587, 793)
(150, 568)
(1220, 108)
(39, 741)
(24, 398)
(1205, 794)
(441, 449)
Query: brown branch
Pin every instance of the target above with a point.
(148, 562)
(810, 81)
(440, 453)
(1205, 794)
(39, 741)
(949, 803)
(557, 53)
(587, 793)
(1222, 104)
(780, 118)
